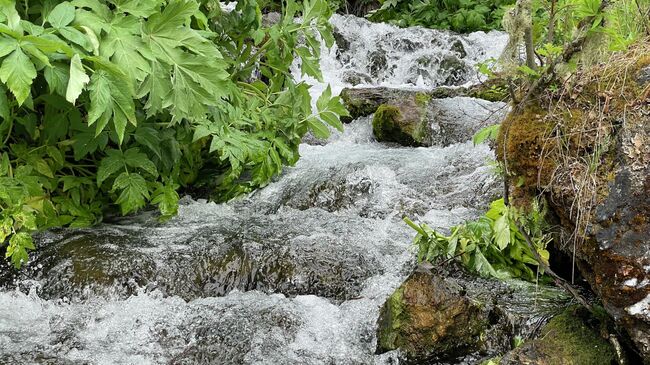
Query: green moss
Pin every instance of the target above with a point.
(422, 99)
(570, 338)
(393, 319)
(523, 143)
(386, 126)
(569, 335)
(494, 93)
(358, 107)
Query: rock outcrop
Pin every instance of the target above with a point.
(417, 118)
(587, 147)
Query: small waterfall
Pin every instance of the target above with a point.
(292, 274)
(377, 54)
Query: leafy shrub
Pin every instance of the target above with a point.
(117, 104)
(456, 15)
(491, 246)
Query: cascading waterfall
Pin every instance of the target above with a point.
(292, 274)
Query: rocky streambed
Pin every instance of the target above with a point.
(317, 267)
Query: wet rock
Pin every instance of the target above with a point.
(402, 122)
(458, 48)
(406, 45)
(355, 78)
(448, 315)
(453, 70)
(362, 102)
(342, 43)
(118, 261)
(377, 62)
(414, 118)
(569, 338)
(431, 319)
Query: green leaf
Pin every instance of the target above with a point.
(19, 243)
(502, 231)
(111, 98)
(77, 81)
(319, 129)
(323, 100)
(166, 197)
(134, 192)
(7, 45)
(18, 72)
(112, 163)
(61, 15)
(149, 138)
(310, 64)
(8, 9)
(57, 76)
(5, 112)
(136, 159)
(333, 120)
(488, 133)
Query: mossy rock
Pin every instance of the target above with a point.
(428, 318)
(390, 124)
(570, 338)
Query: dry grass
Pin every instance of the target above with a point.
(573, 156)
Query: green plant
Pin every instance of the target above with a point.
(491, 246)
(113, 105)
(488, 133)
(457, 15)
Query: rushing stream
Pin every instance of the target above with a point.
(292, 274)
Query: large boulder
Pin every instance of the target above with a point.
(570, 338)
(450, 315)
(362, 102)
(587, 148)
(419, 118)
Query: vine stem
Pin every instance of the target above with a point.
(558, 280)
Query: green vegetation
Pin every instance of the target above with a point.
(114, 105)
(457, 15)
(491, 246)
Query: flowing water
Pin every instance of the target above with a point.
(292, 274)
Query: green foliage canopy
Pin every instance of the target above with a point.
(113, 105)
(456, 15)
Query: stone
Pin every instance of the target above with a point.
(431, 319)
(446, 314)
(567, 339)
(643, 76)
(458, 48)
(342, 44)
(377, 62)
(355, 78)
(453, 70)
(415, 118)
(443, 115)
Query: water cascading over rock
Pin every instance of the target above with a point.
(295, 273)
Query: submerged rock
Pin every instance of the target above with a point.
(355, 78)
(568, 339)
